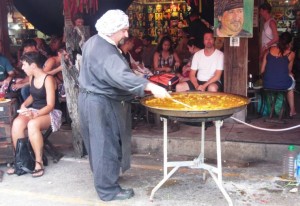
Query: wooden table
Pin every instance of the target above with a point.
(8, 111)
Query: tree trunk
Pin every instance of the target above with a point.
(75, 37)
(70, 74)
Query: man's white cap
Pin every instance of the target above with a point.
(111, 22)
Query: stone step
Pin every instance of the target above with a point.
(187, 142)
(231, 151)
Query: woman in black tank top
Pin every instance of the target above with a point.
(39, 111)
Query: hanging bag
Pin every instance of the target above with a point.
(24, 157)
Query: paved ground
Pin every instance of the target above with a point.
(69, 183)
(249, 183)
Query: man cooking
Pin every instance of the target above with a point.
(107, 84)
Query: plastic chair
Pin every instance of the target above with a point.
(272, 95)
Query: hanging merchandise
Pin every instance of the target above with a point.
(80, 6)
(158, 19)
(195, 2)
(10, 6)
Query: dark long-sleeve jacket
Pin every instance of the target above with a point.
(105, 71)
(106, 74)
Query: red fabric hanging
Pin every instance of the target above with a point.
(75, 6)
(196, 2)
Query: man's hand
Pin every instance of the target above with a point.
(16, 86)
(201, 88)
(6, 82)
(157, 91)
(167, 69)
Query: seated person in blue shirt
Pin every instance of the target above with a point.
(277, 69)
(6, 69)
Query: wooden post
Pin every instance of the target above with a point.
(236, 70)
(4, 27)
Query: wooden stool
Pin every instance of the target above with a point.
(49, 148)
(272, 95)
(253, 108)
(138, 112)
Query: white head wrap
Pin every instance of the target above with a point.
(111, 22)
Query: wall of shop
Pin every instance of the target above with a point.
(157, 18)
(284, 12)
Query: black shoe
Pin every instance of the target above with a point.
(124, 194)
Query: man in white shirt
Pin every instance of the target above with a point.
(269, 34)
(207, 64)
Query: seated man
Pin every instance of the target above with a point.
(148, 51)
(28, 45)
(193, 48)
(126, 45)
(6, 70)
(208, 65)
(55, 43)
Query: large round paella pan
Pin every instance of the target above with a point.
(197, 104)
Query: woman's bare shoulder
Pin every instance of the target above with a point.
(49, 79)
(292, 55)
(274, 50)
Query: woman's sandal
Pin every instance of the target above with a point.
(38, 172)
(11, 171)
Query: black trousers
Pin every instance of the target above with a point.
(103, 122)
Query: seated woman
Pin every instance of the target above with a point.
(136, 59)
(53, 66)
(276, 69)
(165, 59)
(192, 48)
(43, 111)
